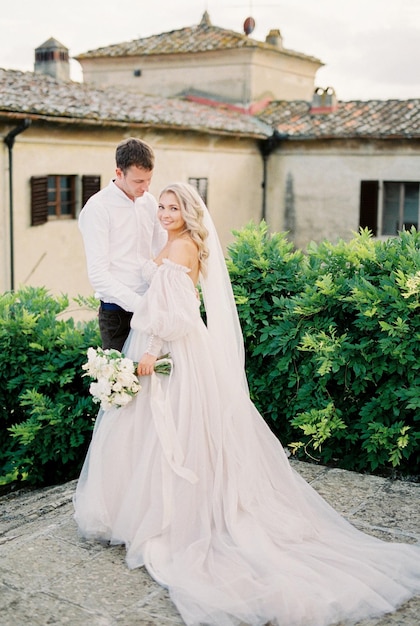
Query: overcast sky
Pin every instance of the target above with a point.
(371, 48)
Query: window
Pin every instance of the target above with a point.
(389, 207)
(201, 184)
(400, 207)
(60, 196)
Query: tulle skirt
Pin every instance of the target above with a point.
(190, 478)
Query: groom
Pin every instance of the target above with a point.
(119, 226)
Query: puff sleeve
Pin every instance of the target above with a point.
(170, 308)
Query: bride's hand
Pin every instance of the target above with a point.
(146, 364)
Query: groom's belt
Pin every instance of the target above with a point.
(110, 306)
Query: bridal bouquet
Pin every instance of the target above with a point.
(116, 380)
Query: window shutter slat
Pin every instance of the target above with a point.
(368, 217)
(39, 200)
(201, 184)
(90, 185)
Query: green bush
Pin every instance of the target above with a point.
(46, 411)
(332, 340)
(332, 344)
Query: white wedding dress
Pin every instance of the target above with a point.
(190, 478)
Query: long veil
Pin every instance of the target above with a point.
(222, 316)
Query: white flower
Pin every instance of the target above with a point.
(121, 399)
(116, 380)
(126, 379)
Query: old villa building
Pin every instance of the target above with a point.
(243, 120)
(221, 64)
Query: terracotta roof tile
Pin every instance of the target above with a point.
(356, 118)
(41, 96)
(200, 38)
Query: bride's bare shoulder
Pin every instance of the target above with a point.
(183, 251)
(183, 243)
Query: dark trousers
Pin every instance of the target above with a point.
(114, 327)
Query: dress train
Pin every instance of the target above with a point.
(191, 479)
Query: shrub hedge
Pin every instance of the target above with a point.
(333, 345)
(332, 339)
(46, 410)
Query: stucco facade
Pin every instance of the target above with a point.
(324, 179)
(313, 189)
(240, 76)
(52, 254)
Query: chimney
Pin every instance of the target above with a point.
(52, 58)
(323, 101)
(274, 38)
(205, 20)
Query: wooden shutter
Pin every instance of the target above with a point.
(369, 205)
(201, 184)
(39, 200)
(90, 185)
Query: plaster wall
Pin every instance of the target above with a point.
(52, 254)
(241, 76)
(282, 77)
(326, 177)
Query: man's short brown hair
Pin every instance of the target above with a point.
(133, 151)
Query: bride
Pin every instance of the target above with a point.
(190, 478)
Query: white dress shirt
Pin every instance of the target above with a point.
(118, 234)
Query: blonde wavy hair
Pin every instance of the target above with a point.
(193, 214)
